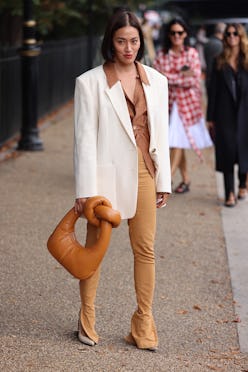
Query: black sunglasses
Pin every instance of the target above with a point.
(173, 33)
(235, 33)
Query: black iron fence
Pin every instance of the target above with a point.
(59, 63)
(10, 93)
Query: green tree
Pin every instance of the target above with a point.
(58, 19)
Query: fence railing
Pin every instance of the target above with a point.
(10, 93)
(59, 63)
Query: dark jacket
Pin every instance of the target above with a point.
(228, 109)
(211, 50)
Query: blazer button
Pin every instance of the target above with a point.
(153, 151)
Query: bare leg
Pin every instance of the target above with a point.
(183, 168)
(175, 158)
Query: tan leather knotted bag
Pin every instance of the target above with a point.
(82, 261)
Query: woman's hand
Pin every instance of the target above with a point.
(79, 205)
(211, 130)
(187, 73)
(162, 198)
(210, 124)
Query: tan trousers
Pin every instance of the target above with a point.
(142, 234)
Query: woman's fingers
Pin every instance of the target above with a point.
(162, 200)
(79, 205)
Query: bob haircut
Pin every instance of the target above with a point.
(118, 20)
(167, 41)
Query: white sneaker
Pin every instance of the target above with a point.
(82, 336)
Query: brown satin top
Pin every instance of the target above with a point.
(137, 111)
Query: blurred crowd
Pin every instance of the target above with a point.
(208, 95)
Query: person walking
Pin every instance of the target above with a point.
(227, 110)
(212, 49)
(201, 41)
(149, 45)
(180, 63)
(122, 153)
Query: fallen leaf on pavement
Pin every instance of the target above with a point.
(182, 311)
(213, 368)
(236, 320)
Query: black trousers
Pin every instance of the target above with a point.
(229, 182)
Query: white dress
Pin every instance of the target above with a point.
(178, 137)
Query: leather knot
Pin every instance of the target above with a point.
(98, 208)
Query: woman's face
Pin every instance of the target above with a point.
(232, 37)
(177, 35)
(126, 42)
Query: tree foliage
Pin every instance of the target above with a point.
(58, 19)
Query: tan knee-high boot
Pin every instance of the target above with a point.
(143, 329)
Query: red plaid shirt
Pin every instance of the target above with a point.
(184, 90)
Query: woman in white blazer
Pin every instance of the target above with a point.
(121, 152)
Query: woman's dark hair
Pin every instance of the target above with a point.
(167, 41)
(119, 19)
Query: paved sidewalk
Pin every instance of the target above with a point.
(236, 238)
(194, 307)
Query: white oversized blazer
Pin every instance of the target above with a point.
(105, 151)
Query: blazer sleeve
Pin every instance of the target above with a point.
(85, 138)
(164, 175)
(160, 136)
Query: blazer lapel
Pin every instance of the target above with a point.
(230, 82)
(149, 103)
(118, 100)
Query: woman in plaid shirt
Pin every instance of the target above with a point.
(181, 65)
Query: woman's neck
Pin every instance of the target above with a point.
(125, 69)
(233, 60)
(177, 49)
(235, 51)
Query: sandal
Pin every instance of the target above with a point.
(182, 188)
(231, 201)
(242, 194)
